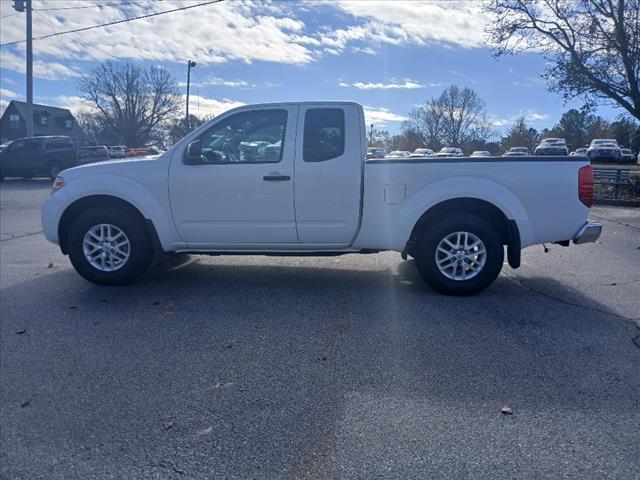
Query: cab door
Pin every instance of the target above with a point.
(240, 195)
(329, 170)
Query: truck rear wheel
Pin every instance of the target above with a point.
(109, 247)
(461, 255)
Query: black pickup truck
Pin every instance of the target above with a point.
(30, 157)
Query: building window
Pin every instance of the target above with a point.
(44, 120)
(14, 120)
(68, 123)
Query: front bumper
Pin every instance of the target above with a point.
(589, 233)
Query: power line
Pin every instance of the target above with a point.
(123, 2)
(83, 29)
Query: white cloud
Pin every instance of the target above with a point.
(530, 116)
(74, 103)
(4, 92)
(406, 22)
(41, 69)
(216, 33)
(408, 84)
(381, 116)
(206, 107)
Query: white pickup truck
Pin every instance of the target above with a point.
(293, 179)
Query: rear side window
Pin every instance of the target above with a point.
(323, 134)
(59, 145)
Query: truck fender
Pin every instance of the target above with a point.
(137, 195)
(461, 187)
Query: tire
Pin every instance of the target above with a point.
(477, 270)
(54, 170)
(139, 249)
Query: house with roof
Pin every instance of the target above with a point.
(46, 121)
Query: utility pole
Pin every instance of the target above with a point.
(190, 64)
(21, 6)
(371, 135)
(29, 70)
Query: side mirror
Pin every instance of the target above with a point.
(193, 153)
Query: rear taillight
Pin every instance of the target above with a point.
(585, 185)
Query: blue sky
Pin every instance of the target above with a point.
(389, 56)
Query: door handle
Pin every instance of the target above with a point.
(276, 178)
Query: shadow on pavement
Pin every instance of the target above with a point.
(276, 370)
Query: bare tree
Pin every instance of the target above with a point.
(520, 135)
(592, 46)
(456, 117)
(132, 102)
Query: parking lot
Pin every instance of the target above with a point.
(317, 368)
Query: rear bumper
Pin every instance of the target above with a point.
(589, 233)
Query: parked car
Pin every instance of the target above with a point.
(453, 215)
(450, 152)
(579, 152)
(422, 152)
(116, 151)
(517, 152)
(136, 152)
(93, 153)
(30, 157)
(398, 154)
(604, 150)
(375, 152)
(481, 153)
(151, 150)
(552, 146)
(627, 156)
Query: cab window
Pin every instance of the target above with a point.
(323, 134)
(247, 137)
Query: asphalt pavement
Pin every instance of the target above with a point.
(318, 368)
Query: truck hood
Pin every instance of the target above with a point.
(121, 166)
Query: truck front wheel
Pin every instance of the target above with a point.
(460, 255)
(109, 247)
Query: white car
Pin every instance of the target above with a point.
(317, 196)
(517, 152)
(552, 146)
(604, 150)
(422, 152)
(580, 152)
(481, 153)
(627, 155)
(398, 154)
(116, 151)
(450, 152)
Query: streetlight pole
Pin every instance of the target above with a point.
(190, 64)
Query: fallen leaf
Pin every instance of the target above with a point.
(167, 423)
(20, 332)
(169, 309)
(25, 404)
(507, 410)
(50, 265)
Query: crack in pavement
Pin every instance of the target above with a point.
(21, 236)
(633, 227)
(634, 321)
